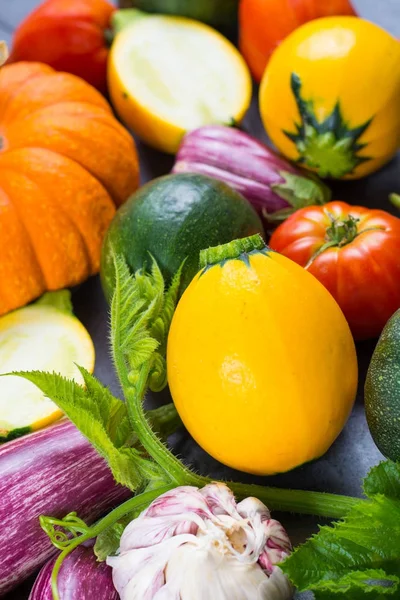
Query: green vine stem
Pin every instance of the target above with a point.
(164, 419)
(134, 382)
(59, 538)
(151, 443)
(319, 504)
(139, 502)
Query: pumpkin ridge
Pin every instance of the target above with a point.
(28, 237)
(78, 138)
(34, 113)
(38, 281)
(47, 284)
(12, 94)
(94, 263)
(113, 124)
(65, 214)
(104, 117)
(96, 100)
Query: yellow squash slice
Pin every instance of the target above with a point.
(169, 75)
(44, 336)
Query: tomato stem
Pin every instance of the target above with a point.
(342, 231)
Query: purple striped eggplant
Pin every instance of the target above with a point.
(273, 186)
(53, 471)
(81, 577)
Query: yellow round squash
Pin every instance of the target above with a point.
(330, 97)
(261, 362)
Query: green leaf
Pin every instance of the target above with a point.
(359, 555)
(383, 479)
(141, 313)
(359, 583)
(300, 191)
(160, 327)
(60, 300)
(134, 303)
(107, 542)
(99, 416)
(110, 411)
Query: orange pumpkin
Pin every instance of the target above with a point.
(65, 162)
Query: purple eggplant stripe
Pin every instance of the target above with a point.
(80, 577)
(53, 472)
(241, 161)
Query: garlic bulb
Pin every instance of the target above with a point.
(197, 544)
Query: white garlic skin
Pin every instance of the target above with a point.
(198, 544)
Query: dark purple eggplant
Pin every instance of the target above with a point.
(53, 471)
(273, 185)
(81, 577)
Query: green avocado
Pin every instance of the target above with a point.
(172, 218)
(382, 390)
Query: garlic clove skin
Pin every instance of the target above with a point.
(201, 574)
(192, 544)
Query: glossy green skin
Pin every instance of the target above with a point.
(173, 218)
(382, 390)
(218, 13)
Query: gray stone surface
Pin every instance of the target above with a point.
(343, 467)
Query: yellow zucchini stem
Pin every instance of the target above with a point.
(331, 147)
(237, 249)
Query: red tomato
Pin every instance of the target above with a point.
(264, 24)
(68, 35)
(355, 254)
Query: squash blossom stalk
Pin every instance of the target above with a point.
(190, 541)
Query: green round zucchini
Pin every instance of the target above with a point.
(382, 390)
(172, 218)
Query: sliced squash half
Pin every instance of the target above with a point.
(168, 75)
(45, 336)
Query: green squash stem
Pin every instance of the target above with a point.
(236, 249)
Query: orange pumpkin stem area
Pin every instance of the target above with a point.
(65, 163)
